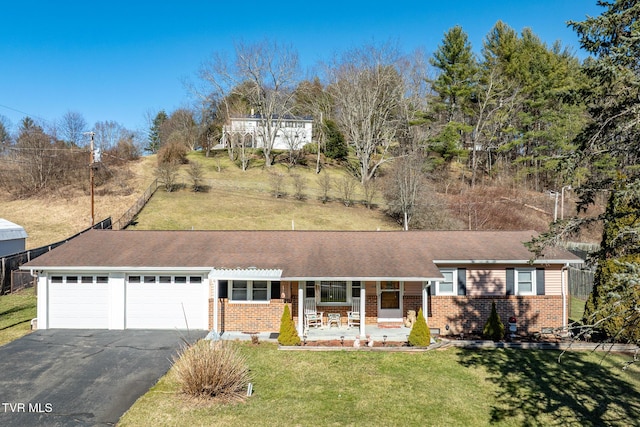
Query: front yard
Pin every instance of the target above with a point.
(16, 312)
(449, 387)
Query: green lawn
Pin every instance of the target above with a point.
(576, 309)
(450, 387)
(16, 311)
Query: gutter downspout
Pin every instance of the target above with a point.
(563, 285)
(34, 321)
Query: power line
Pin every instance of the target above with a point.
(26, 114)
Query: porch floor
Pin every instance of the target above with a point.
(325, 333)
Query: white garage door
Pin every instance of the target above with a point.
(166, 306)
(79, 305)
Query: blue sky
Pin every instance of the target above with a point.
(120, 60)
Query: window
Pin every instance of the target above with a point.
(180, 279)
(195, 279)
(239, 290)
(259, 290)
(72, 279)
(447, 286)
(102, 279)
(249, 290)
(333, 291)
(355, 289)
(56, 279)
(165, 279)
(310, 289)
(149, 279)
(87, 279)
(525, 281)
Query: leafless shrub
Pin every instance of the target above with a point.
(196, 174)
(370, 190)
(347, 186)
(167, 174)
(299, 185)
(212, 369)
(324, 182)
(276, 180)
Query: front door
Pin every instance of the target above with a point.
(390, 301)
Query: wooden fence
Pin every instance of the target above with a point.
(128, 217)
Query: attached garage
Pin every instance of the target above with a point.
(119, 301)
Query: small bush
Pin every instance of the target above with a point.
(288, 334)
(420, 335)
(212, 369)
(494, 328)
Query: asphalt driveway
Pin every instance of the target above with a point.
(61, 377)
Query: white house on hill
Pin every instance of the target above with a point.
(292, 133)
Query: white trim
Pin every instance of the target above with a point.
(534, 283)
(362, 279)
(507, 261)
(400, 309)
(249, 290)
(246, 273)
(454, 283)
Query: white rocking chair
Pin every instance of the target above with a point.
(312, 317)
(353, 316)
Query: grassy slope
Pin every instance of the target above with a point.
(450, 387)
(239, 199)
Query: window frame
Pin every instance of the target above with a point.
(249, 292)
(317, 286)
(454, 282)
(516, 281)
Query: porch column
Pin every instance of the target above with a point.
(363, 314)
(425, 298)
(300, 308)
(214, 283)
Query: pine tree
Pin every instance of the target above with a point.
(420, 335)
(288, 333)
(494, 328)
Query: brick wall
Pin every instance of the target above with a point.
(465, 314)
(247, 317)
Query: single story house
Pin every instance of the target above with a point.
(12, 238)
(241, 280)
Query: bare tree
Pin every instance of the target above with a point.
(265, 74)
(368, 91)
(292, 139)
(108, 133)
(276, 180)
(324, 182)
(403, 191)
(72, 127)
(347, 186)
(196, 174)
(299, 185)
(167, 174)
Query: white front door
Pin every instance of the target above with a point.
(390, 301)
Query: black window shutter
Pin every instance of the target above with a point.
(275, 290)
(539, 281)
(462, 281)
(223, 289)
(510, 281)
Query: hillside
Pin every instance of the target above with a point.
(236, 199)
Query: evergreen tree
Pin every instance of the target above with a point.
(611, 138)
(288, 334)
(155, 136)
(493, 328)
(335, 146)
(420, 335)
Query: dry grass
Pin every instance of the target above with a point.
(212, 369)
(60, 214)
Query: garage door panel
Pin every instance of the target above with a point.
(165, 306)
(78, 305)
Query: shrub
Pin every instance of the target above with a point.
(494, 328)
(288, 334)
(420, 335)
(212, 369)
(173, 152)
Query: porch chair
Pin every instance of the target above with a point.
(312, 317)
(353, 316)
